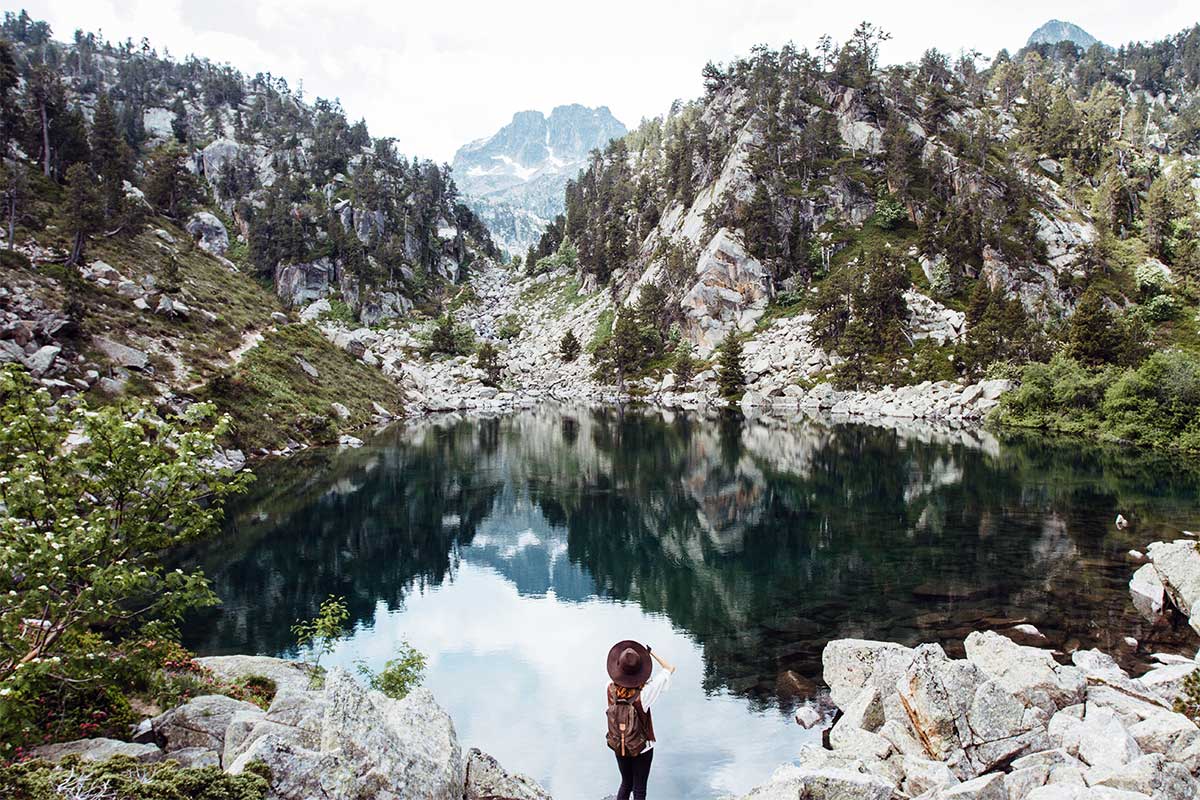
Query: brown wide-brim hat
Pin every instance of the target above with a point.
(629, 664)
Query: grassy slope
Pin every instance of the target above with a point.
(192, 356)
(272, 398)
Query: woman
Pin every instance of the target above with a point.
(630, 697)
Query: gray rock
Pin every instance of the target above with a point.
(1178, 567)
(98, 750)
(209, 231)
(40, 362)
(965, 719)
(121, 355)
(1032, 675)
(986, 787)
(195, 757)
(849, 665)
(1167, 681)
(279, 318)
(306, 367)
(314, 310)
(1151, 775)
(487, 780)
(1167, 733)
(286, 674)
(823, 783)
(200, 723)
(301, 284)
(1148, 592)
(1101, 740)
(409, 744)
(340, 410)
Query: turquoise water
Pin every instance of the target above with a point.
(513, 551)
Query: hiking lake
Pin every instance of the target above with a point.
(513, 551)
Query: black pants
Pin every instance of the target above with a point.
(635, 771)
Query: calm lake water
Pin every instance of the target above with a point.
(514, 551)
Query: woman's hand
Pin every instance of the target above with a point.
(662, 662)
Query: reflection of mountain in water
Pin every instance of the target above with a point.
(762, 540)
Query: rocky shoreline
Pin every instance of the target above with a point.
(1007, 722)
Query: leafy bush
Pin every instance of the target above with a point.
(320, 635)
(1156, 404)
(510, 327)
(1152, 278)
(1160, 308)
(399, 675)
(488, 360)
(89, 499)
(890, 213)
(123, 778)
(450, 338)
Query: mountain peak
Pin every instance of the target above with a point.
(1057, 30)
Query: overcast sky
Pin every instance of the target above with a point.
(438, 73)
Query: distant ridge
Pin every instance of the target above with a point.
(1056, 31)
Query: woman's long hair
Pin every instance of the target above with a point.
(625, 693)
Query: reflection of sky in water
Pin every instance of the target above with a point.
(522, 673)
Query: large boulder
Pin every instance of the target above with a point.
(850, 665)
(285, 674)
(209, 231)
(200, 722)
(487, 780)
(1178, 566)
(1032, 675)
(301, 284)
(98, 750)
(121, 355)
(365, 746)
(1148, 592)
(822, 783)
(963, 717)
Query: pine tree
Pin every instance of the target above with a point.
(1094, 337)
(568, 347)
(110, 156)
(179, 123)
(625, 349)
(169, 186)
(488, 360)
(684, 365)
(731, 378)
(443, 339)
(83, 208)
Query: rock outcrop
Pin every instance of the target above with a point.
(338, 742)
(1008, 722)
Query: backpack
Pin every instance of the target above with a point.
(626, 726)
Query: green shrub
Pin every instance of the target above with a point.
(320, 635)
(1160, 308)
(84, 619)
(399, 675)
(123, 778)
(1157, 404)
(510, 327)
(1189, 704)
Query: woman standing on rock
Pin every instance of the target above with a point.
(630, 696)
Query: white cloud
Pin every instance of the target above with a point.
(438, 74)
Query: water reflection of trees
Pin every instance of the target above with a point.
(763, 540)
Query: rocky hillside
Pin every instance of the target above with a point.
(943, 220)
(1056, 31)
(514, 179)
(163, 217)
